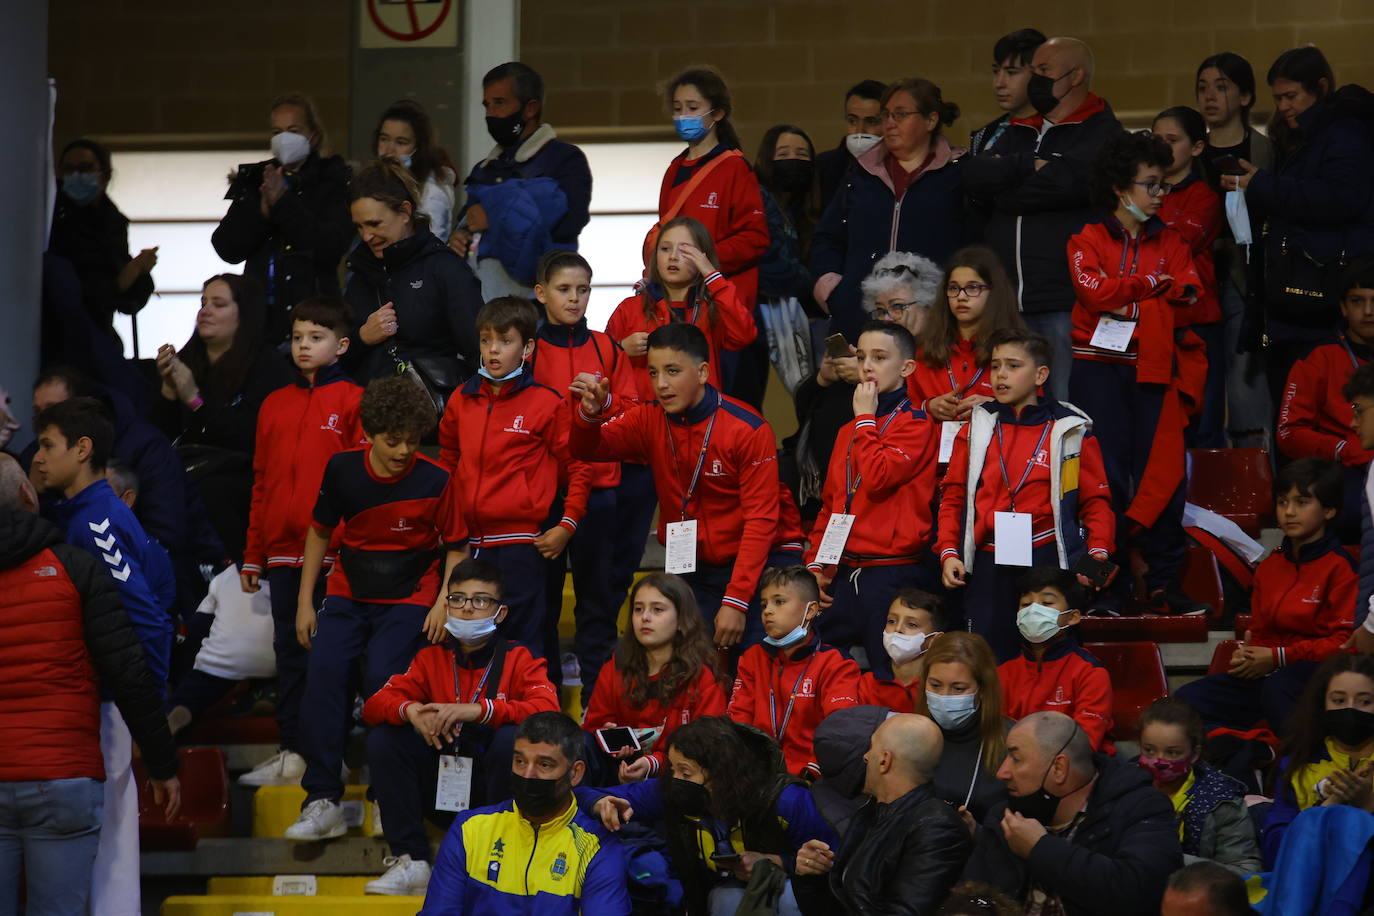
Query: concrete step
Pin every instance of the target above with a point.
(262, 885)
(276, 807)
(348, 855)
(268, 905)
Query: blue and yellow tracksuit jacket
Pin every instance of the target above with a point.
(493, 862)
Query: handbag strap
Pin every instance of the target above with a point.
(684, 194)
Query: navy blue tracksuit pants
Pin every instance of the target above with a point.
(992, 598)
(284, 584)
(596, 611)
(1224, 701)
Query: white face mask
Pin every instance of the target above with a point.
(290, 149)
(905, 647)
(471, 631)
(858, 144)
(1037, 622)
(1238, 215)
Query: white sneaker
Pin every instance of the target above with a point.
(404, 877)
(322, 819)
(284, 768)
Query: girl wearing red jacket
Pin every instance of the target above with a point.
(660, 678)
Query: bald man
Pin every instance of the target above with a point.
(1031, 186)
(1082, 832)
(905, 845)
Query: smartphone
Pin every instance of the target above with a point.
(1097, 571)
(1228, 165)
(725, 860)
(836, 347)
(617, 739)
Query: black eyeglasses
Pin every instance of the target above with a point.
(892, 311)
(476, 602)
(972, 290)
(1154, 187)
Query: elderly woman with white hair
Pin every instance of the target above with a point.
(901, 287)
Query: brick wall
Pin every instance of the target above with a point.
(791, 60)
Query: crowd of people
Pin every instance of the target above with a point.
(393, 436)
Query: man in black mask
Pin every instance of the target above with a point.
(503, 190)
(536, 845)
(1081, 833)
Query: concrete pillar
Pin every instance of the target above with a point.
(491, 36)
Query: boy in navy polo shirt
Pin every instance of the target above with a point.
(402, 535)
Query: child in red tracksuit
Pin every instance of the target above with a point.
(1316, 420)
(660, 678)
(1054, 673)
(505, 438)
(914, 619)
(872, 536)
(1019, 456)
(461, 698)
(300, 427)
(787, 685)
(1303, 607)
(563, 347)
(714, 462)
(1131, 274)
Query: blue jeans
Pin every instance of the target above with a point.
(52, 828)
(1057, 326)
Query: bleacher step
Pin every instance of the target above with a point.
(270, 856)
(267, 905)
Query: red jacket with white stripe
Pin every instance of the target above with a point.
(1193, 210)
(507, 450)
(702, 697)
(889, 460)
(522, 690)
(1069, 679)
(300, 427)
(934, 381)
(1303, 605)
(563, 351)
(815, 681)
(790, 534)
(1315, 421)
(733, 327)
(735, 503)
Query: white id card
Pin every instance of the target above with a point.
(833, 541)
(681, 549)
(454, 792)
(1113, 334)
(949, 431)
(1012, 538)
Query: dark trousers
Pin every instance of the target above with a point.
(708, 585)
(284, 583)
(1208, 428)
(858, 613)
(198, 691)
(524, 581)
(1348, 522)
(405, 774)
(595, 611)
(744, 373)
(1126, 417)
(385, 637)
(992, 597)
(635, 503)
(1224, 701)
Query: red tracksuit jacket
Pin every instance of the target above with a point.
(889, 461)
(889, 692)
(1111, 270)
(562, 351)
(702, 697)
(1068, 680)
(1304, 605)
(736, 498)
(732, 329)
(814, 682)
(1193, 210)
(300, 427)
(1315, 420)
(790, 535)
(522, 690)
(960, 373)
(506, 450)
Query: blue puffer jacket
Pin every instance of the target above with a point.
(541, 155)
(521, 214)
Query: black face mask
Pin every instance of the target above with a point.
(505, 131)
(539, 797)
(792, 174)
(1348, 725)
(1040, 92)
(690, 798)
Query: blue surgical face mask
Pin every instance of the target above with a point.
(406, 161)
(1135, 211)
(1038, 623)
(471, 631)
(82, 187)
(514, 373)
(692, 128)
(951, 712)
(793, 638)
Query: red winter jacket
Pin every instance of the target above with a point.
(561, 352)
(814, 682)
(728, 203)
(890, 460)
(1315, 420)
(960, 373)
(790, 535)
(300, 427)
(1111, 270)
(889, 692)
(1068, 680)
(507, 450)
(1303, 604)
(522, 690)
(732, 329)
(735, 502)
(1193, 210)
(702, 697)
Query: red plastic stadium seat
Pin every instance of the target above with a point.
(1235, 482)
(204, 802)
(1145, 629)
(1137, 672)
(1242, 624)
(1221, 656)
(1200, 578)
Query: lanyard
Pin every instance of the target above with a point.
(954, 385)
(977, 766)
(1030, 462)
(1345, 344)
(481, 685)
(701, 458)
(851, 487)
(791, 700)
